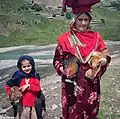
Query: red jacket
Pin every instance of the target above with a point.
(30, 95)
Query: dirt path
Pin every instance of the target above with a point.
(110, 90)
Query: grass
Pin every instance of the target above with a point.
(40, 34)
(110, 29)
(36, 29)
(110, 106)
(21, 28)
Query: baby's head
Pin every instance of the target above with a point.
(26, 64)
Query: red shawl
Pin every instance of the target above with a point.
(89, 39)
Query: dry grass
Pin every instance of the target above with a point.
(110, 100)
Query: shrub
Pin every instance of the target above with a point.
(54, 15)
(69, 15)
(36, 7)
(103, 20)
(62, 13)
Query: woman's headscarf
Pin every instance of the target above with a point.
(19, 74)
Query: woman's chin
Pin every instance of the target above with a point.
(82, 29)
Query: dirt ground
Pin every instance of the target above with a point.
(110, 90)
(51, 83)
(110, 93)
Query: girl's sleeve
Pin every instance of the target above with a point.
(11, 82)
(7, 89)
(58, 59)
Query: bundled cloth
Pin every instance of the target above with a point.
(79, 5)
(40, 105)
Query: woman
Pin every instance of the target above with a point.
(81, 92)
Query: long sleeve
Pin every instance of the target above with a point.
(58, 59)
(7, 89)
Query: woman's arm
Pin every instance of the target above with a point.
(58, 60)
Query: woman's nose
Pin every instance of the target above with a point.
(83, 21)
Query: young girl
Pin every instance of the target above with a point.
(28, 82)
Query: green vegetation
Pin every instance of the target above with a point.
(110, 29)
(24, 23)
(109, 106)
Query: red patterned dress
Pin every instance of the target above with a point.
(80, 101)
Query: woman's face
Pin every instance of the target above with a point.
(82, 22)
(26, 66)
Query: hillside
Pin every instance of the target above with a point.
(26, 22)
(47, 2)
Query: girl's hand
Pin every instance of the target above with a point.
(24, 87)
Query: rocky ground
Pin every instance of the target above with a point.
(50, 82)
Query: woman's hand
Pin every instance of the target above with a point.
(67, 72)
(24, 87)
(91, 74)
(103, 61)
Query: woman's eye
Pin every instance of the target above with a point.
(81, 19)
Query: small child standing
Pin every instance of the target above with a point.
(28, 82)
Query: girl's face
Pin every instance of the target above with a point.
(82, 22)
(26, 66)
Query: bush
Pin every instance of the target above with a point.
(115, 4)
(24, 8)
(103, 20)
(54, 15)
(36, 7)
(68, 15)
(62, 13)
